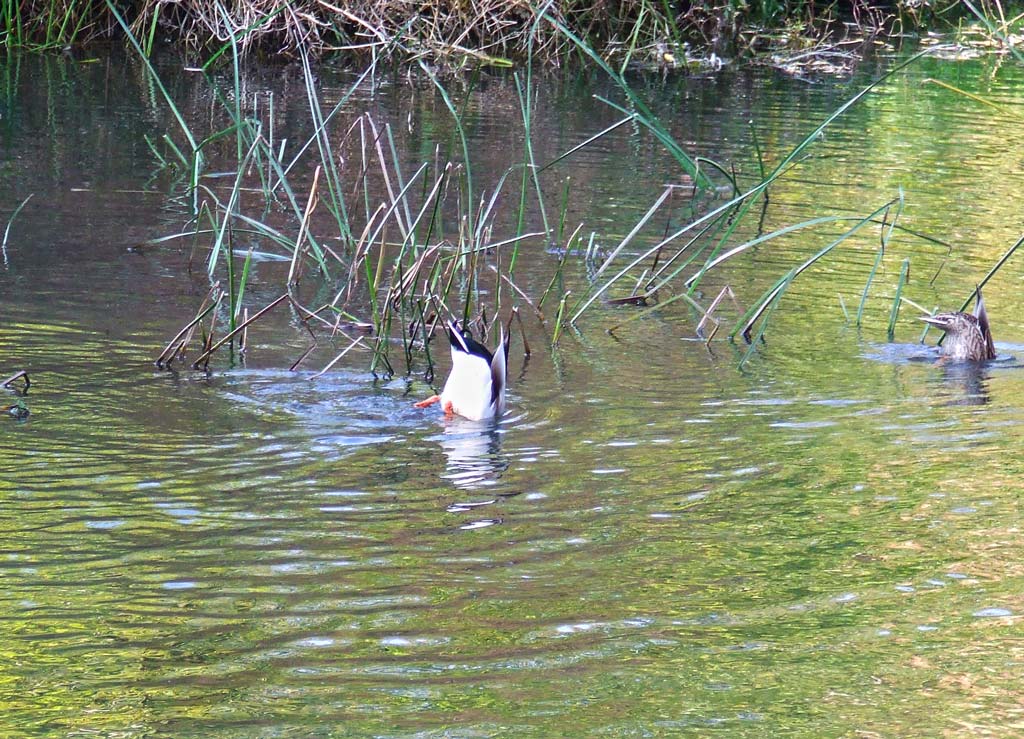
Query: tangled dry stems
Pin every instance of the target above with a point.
(478, 28)
(452, 33)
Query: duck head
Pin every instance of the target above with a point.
(968, 335)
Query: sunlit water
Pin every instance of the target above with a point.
(651, 543)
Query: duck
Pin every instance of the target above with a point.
(18, 411)
(475, 388)
(968, 335)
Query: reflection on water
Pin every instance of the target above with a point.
(968, 381)
(961, 383)
(650, 543)
(472, 451)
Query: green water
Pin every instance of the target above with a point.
(652, 543)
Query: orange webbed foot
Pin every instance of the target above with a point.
(449, 409)
(428, 402)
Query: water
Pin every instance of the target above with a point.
(652, 543)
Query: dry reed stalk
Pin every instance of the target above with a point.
(231, 334)
(312, 346)
(387, 179)
(519, 292)
(709, 313)
(383, 38)
(407, 281)
(311, 203)
(176, 345)
(19, 375)
(305, 314)
(362, 249)
(208, 337)
(522, 331)
(358, 340)
(302, 358)
(243, 344)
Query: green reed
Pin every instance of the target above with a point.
(46, 26)
(770, 298)
(193, 162)
(388, 261)
(527, 101)
(992, 272)
(708, 235)
(879, 255)
(644, 116)
(336, 203)
(895, 312)
(885, 236)
(462, 140)
(768, 305)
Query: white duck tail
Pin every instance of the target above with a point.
(475, 389)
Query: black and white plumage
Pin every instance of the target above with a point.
(475, 389)
(968, 336)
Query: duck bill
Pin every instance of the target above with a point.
(940, 322)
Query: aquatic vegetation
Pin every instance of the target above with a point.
(19, 375)
(706, 244)
(45, 26)
(384, 275)
(651, 34)
(380, 276)
(996, 33)
(7, 229)
(995, 268)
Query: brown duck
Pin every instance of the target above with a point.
(968, 336)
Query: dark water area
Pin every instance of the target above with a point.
(652, 542)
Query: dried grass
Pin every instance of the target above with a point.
(450, 35)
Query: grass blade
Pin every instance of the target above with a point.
(747, 321)
(7, 230)
(894, 314)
